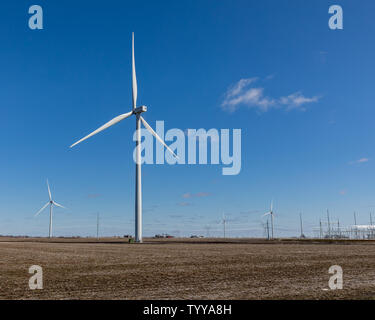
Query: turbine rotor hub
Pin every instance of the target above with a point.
(140, 109)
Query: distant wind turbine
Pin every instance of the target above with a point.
(372, 230)
(329, 224)
(207, 227)
(51, 202)
(266, 229)
(271, 213)
(97, 226)
(301, 226)
(224, 221)
(137, 111)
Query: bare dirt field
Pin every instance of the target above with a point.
(186, 269)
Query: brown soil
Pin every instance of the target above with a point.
(186, 269)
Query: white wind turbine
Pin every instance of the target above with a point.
(51, 202)
(271, 213)
(137, 112)
(224, 221)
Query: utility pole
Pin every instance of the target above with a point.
(371, 226)
(355, 225)
(97, 226)
(320, 229)
(338, 227)
(300, 218)
(224, 223)
(329, 225)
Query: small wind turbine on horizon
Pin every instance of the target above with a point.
(271, 213)
(97, 226)
(51, 202)
(207, 227)
(224, 221)
(137, 111)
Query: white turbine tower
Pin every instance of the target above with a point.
(137, 111)
(224, 221)
(271, 213)
(51, 203)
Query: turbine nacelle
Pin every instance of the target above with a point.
(140, 109)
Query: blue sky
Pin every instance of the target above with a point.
(309, 149)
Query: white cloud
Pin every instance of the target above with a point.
(296, 100)
(242, 93)
(237, 88)
(362, 160)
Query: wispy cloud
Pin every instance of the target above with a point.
(184, 204)
(175, 216)
(296, 100)
(243, 93)
(196, 195)
(239, 86)
(362, 160)
(94, 195)
(151, 208)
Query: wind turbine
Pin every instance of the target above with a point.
(271, 213)
(224, 222)
(372, 230)
(207, 227)
(137, 111)
(329, 224)
(266, 229)
(300, 218)
(51, 202)
(97, 226)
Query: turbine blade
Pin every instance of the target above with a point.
(156, 136)
(266, 214)
(49, 191)
(271, 205)
(134, 77)
(105, 126)
(59, 205)
(42, 209)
